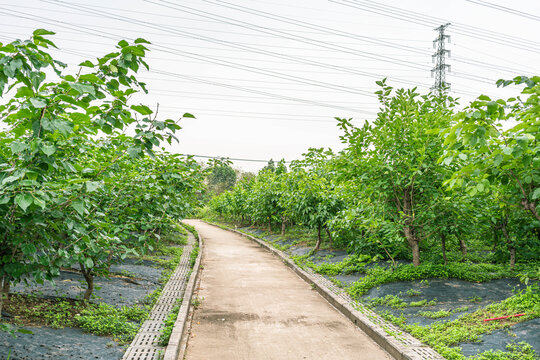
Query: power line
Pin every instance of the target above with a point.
(285, 35)
(288, 77)
(424, 20)
(207, 59)
(266, 52)
(319, 28)
(229, 158)
(505, 9)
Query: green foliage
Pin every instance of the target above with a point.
(441, 313)
(418, 183)
(103, 319)
(472, 272)
(519, 351)
(351, 264)
(221, 177)
(74, 188)
(396, 302)
(169, 322)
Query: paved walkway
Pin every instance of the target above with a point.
(254, 307)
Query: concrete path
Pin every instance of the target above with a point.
(254, 307)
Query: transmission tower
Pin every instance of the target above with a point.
(439, 58)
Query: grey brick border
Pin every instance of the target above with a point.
(398, 343)
(177, 344)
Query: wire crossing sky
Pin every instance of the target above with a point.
(266, 78)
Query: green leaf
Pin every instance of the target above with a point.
(83, 88)
(24, 200)
(492, 106)
(38, 103)
(79, 117)
(88, 263)
(92, 186)
(536, 194)
(142, 109)
(24, 91)
(11, 68)
(17, 147)
(28, 249)
(24, 331)
(498, 160)
(4, 200)
(87, 63)
(91, 78)
(40, 32)
(188, 115)
(141, 41)
(48, 149)
(448, 160)
(78, 205)
(40, 203)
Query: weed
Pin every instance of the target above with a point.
(120, 323)
(435, 314)
(196, 302)
(412, 292)
(169, 322)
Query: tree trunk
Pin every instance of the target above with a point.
(270, 225)
(89, 277)
(408, 229)
(414, 243)
(531, 206)
(329, 236)
(509, 243)
(443, 246)
(4, 292)
(283, 225)
(318, 245)
(512, 250)
(462, 247)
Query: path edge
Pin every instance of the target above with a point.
(390, 344)
(177, 344)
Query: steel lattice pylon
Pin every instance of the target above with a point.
(439, 58)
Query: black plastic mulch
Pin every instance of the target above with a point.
(47, 343)
(68, 343)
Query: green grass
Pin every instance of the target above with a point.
(377, 276)
(169, 322)
(441, 313)
(396, 302)
(120, 323)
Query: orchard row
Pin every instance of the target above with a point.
(81, 181)
(421, 177)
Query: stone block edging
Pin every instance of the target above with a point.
(174, 349)
(399, 344)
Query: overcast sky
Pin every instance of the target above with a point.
(266, 78)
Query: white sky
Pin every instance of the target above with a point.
(266, 78)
